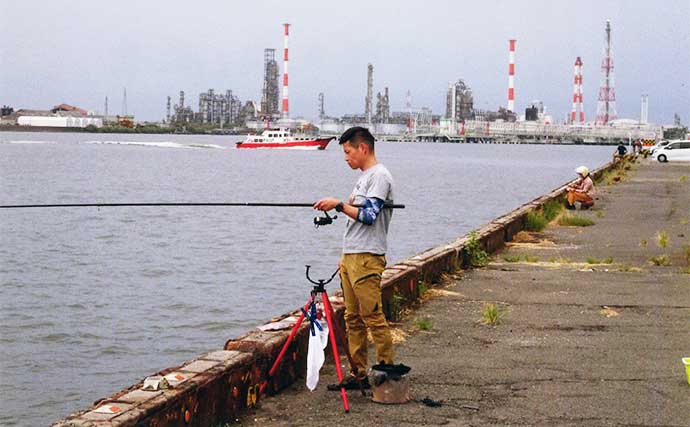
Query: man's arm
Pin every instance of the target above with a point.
(366, 215)
(330, 204)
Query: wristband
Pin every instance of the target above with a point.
(339, 207)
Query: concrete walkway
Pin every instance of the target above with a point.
(579, 344)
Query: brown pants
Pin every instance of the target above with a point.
(579, 197)
(361, 278)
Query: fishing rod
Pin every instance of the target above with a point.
(318, 221)
(240, 204)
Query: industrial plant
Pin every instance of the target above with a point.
(221, 111)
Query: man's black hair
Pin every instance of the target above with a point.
(356, 135)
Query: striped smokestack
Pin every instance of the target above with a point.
(577, 93)
(286, 111)
(511, 76)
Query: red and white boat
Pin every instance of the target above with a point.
(281, 138)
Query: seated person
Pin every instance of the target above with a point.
(583, 191)
(622, 151)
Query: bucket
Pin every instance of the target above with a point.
(391, 384)
(686, 362)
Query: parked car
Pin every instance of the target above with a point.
(674, 150)
(658, 145)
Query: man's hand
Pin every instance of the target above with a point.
(326, 204)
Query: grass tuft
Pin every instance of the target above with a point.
(397, 306)
(531, 258)
(661, 260)
(612, 177)
(551, 209)
(511, 258)
(574, 221)
(422, 287)
(593, 260)
(662, 239)
(478, 256)
(535, 222)
(491, 314)
(424, 324)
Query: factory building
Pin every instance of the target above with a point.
(60, 116)
(270, 94)
(459, 102)
(383, 107)
(222, 109)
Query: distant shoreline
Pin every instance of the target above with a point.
(147, 130)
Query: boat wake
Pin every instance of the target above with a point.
(159, 144)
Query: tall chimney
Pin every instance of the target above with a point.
(286, 111)
(511, 76)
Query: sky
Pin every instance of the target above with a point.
(78, 52)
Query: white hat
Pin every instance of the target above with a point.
(582, 170)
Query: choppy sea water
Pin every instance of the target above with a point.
(91, 300)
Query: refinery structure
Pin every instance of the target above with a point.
(222, 111)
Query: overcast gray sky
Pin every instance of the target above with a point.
(79, 51)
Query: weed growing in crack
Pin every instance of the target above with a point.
(662, 239)
(424, 324)
(491, 314)
(574, 221)
(660, 260)
(478, 256)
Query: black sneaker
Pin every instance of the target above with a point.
(350, 384)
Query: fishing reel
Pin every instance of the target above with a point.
(324, 220)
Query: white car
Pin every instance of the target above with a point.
(658, 145)
(674, 150)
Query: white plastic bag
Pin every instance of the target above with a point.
(315, 354)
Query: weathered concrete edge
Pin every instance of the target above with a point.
(218, 386)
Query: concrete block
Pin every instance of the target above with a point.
(199, 366)
(107, 411)
(139, 396)
(220, 356)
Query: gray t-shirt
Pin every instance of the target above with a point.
(359, 237)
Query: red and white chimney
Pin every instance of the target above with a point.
(285, 112)
(577, 93)
(511, 76)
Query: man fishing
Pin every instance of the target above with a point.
(364, 250)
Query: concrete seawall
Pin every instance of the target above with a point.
(218, 386)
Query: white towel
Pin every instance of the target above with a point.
(315, 355)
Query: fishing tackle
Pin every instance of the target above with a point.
(318, 220)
